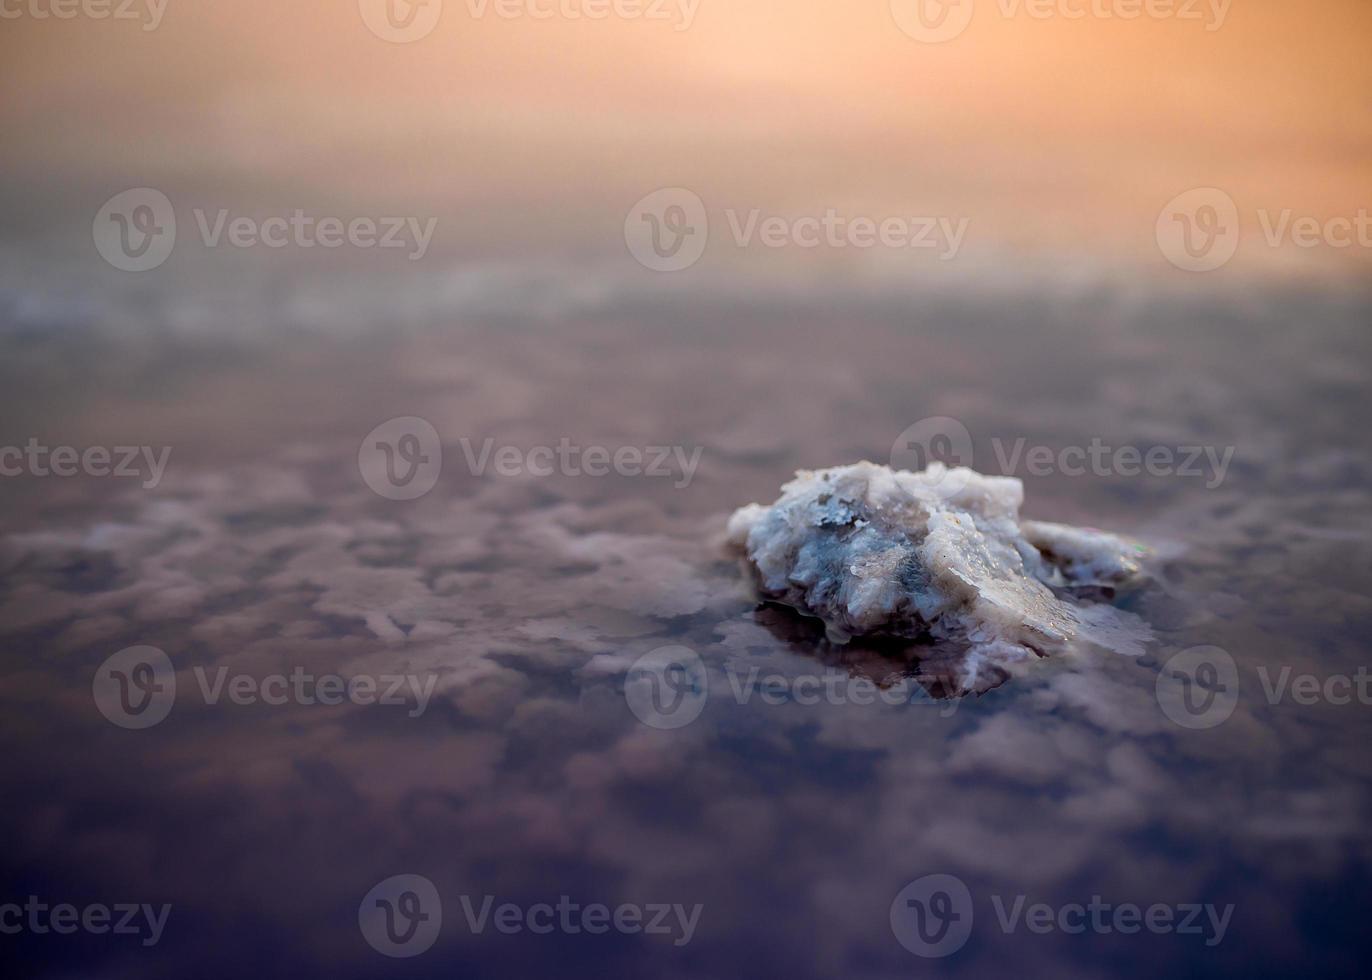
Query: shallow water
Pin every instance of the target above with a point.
(525, 600)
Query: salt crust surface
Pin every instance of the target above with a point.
(938, 555)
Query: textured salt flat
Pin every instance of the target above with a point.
(528, 777)
(938, 554)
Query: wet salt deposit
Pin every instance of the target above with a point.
(938, 554)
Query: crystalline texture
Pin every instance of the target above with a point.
(939, 554)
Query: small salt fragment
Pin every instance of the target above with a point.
(940, 554)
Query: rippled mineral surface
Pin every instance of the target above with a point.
(940, 554)
(795, 820)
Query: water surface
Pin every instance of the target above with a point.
(525, 599)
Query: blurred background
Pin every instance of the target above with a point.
(700, 225)
(1059, 137)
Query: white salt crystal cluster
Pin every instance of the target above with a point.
(939, 554)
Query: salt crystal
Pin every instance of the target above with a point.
(941, 555)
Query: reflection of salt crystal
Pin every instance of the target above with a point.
(940, 554)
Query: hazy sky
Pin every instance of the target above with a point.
(1053, 131)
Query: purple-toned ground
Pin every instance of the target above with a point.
(528, 598)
